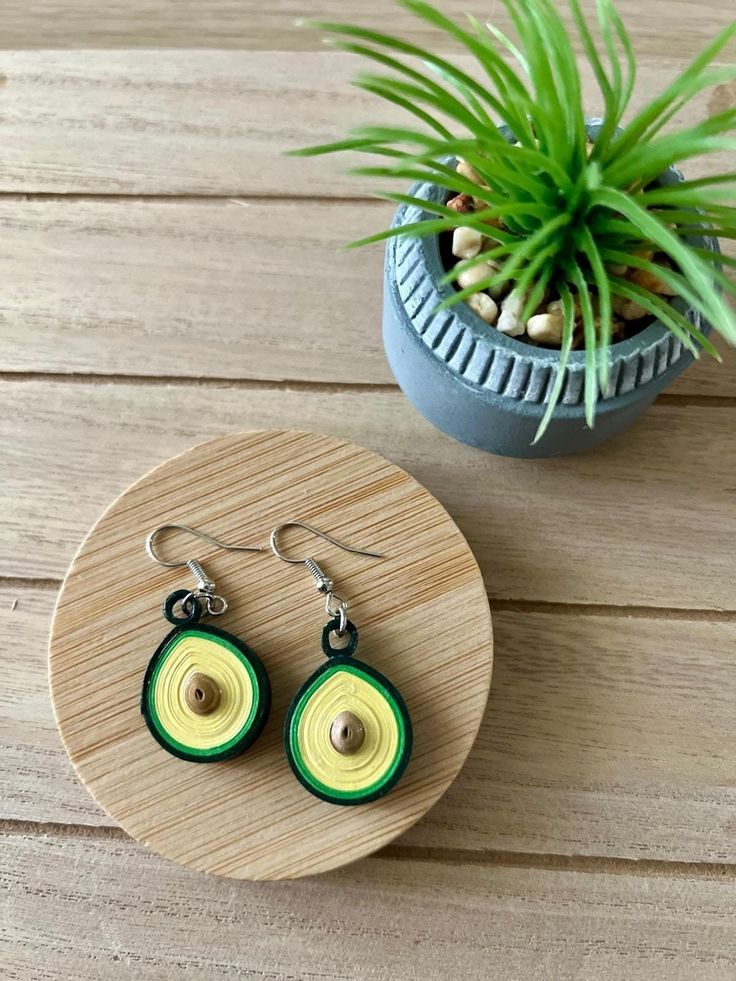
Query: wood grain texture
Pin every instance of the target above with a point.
(204, 122)
(219, 289)
(639, 712)
(660, 26)
(111, 910)
(37, 778)
(121, 286)
(421, 611)
(637, 504)
(603, 736)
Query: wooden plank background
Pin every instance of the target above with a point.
(676, 27)
(168, 275)
(388, 917)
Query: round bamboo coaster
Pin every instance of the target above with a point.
(422, 614)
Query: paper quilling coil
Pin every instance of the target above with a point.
(233, 679)
(348, 688)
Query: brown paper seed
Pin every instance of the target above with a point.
(347, 733)
(201, 693)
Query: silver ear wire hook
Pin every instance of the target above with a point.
(197, 534)
(205, 587)
(335, 605)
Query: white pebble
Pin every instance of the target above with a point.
(628, 309)
(484, 306)
(476, 274)
(499, 289)
(510, 322)
(546, 328)
(466, 243)
(469, 172)
(558, 307)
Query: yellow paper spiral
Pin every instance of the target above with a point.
(347, 691)
(186, 729)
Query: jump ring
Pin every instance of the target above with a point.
(189, 606)
(349, 649)
(216, 605)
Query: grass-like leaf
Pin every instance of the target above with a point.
(589, 333)
(600, 279)
(568, 330)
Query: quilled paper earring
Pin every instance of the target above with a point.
(206, 695)
(348, 735)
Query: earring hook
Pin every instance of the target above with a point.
(335, 606)
(150, 538)
(320, 534)
(205, 588)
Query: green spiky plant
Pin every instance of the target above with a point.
(558, 215)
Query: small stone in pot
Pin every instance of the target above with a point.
(484, 306)
(466, 243)
(470, 173)
(498, 290)
(648, 281)
(546, 328)
(628, 309)
(476, 274)
(557, 306)
(509, 321)
(480, 272)
(462, 203)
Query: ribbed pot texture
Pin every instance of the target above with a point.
(487, 389)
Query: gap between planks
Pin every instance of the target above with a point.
(292, 384)
(235, 197)
(683, 614)
(188, 381)
(591, 864)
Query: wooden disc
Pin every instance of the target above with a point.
(422, 613)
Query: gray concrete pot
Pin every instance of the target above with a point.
(487, 389)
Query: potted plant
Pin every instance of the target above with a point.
(548, 273)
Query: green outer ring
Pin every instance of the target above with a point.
(251, 728)
(291, 734)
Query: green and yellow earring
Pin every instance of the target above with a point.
(206, 695)
(348, 734)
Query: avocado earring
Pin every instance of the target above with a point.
(206, 695)
(348, 734)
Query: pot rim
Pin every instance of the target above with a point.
(644, 338)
